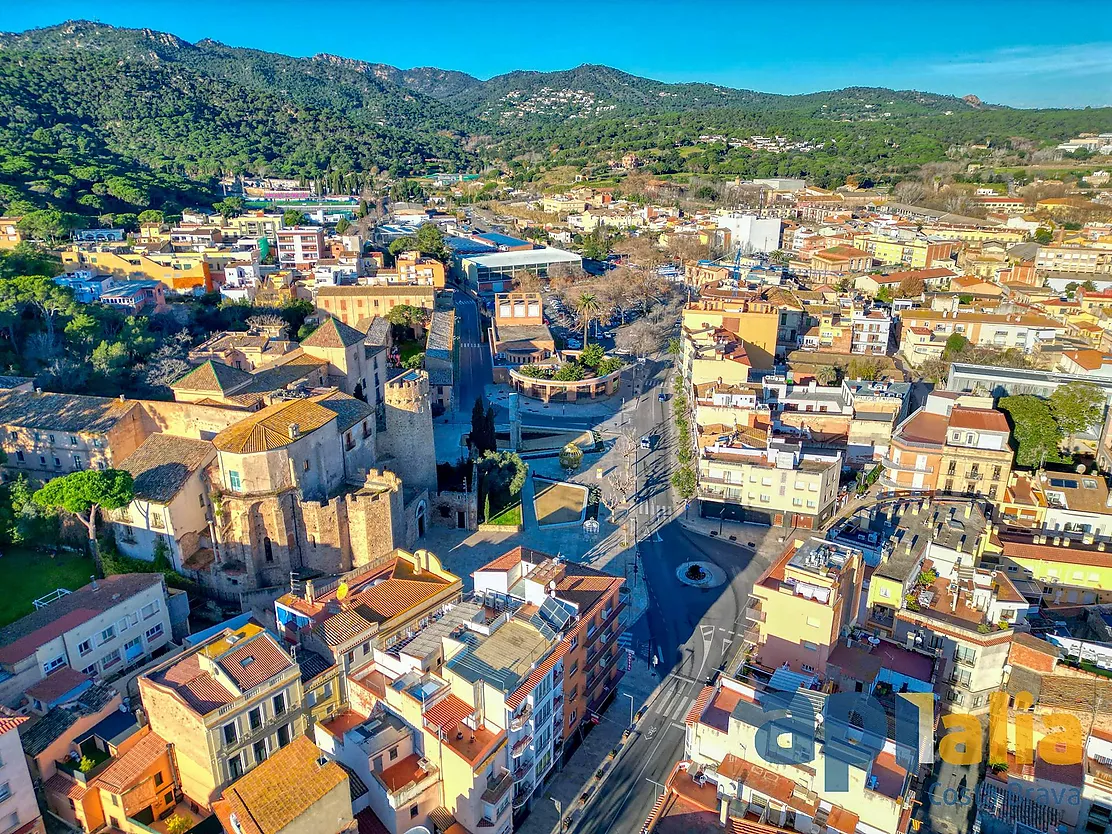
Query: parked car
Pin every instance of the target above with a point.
(646, 442)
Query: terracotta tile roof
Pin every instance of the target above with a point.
(1090, 360)
(349, 410)
(922, 427)
(257, 660)
(163, 464)
(699, 705)
(515, 557)
(62, 412)
(57, 684)
(212, 376)
(346, 625)
(1032, 642)
(269, 429)
(982, 419)
(21, 638)
(447, 713)
(270, 797)
(1017, 545)
(333, 333)
(120, 775)
(196, 687)
(62, 785)
(9, 720)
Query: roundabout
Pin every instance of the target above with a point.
(700, 574)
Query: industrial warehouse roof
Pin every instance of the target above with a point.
(524, 257)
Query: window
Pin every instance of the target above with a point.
(233, 481)
(574, 642)
(393, 753)
(574, 668)
(807, 670)
(283, 735)
(260, 751)
(255, 718)
(571, 718)
(306, 464)
(110, 659)
(367, 648)
(107, 635)
(19, 455)
(412, 811)
(77, 464)
(5, 791)
(159, 779)
(235, 767)
(149, 611)
(155, 632)
(231, 733)
(327, 691)
(89, 671)
(279, 703)
(55, 663)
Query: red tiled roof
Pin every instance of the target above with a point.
(121, 773)
(699, 705)
(62, 785)
(368, 823)
(257, 660)
(9, 720)
(448, 712)
(57, 684)
(983, 419)
(26, 646)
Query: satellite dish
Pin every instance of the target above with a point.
(342, 592)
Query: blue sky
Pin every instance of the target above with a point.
(1014, 53)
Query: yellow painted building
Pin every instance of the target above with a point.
(179, 271)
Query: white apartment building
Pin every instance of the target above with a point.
(99, 630)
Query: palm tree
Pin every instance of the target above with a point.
(588, 306)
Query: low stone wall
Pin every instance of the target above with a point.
(569, 391)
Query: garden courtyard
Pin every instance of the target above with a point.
(27, 574)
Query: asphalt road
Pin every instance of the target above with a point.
(474, 370)
(690, 631)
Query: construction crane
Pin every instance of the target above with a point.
(736, 273)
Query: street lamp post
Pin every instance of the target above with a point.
(630, 709)
(559, 810)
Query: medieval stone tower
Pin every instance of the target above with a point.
(406, 446)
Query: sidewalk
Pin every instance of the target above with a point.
(580, 774)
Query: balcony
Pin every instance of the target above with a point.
(497, 786)
(524, 771)
(522, 745)
(522, 718)
(974, 476)
(888, 463)
(755, 614)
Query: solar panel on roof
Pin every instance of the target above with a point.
(556, 612)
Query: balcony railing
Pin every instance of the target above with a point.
(497, 786)
(755, 615)
(521, 719)
(904, 467)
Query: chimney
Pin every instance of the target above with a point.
(123, 398)
(1057, 541)
(93, 582)
(968, 510)
(295, 431)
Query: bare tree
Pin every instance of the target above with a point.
(909, 191)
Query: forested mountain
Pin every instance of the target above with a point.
(96, 119)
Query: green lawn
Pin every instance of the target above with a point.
(27, 575)
(509, 517)
(409, 348)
